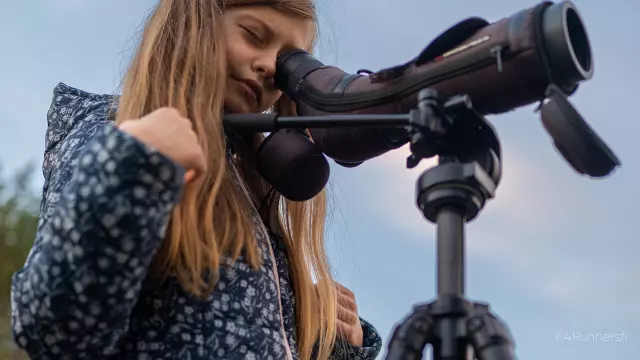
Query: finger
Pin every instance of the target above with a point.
(347, 316)
(166, 112)
(196, 162)
(194, 168)
(187, 121)
(346, 302)
(190, 176)
(344, 290)
(343, 330)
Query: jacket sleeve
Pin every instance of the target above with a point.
(371, 345)
(95, 239)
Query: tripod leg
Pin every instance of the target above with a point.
(490, 337)
(410, 338)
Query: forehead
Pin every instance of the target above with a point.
(289, 30)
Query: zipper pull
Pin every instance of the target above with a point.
(497, 52)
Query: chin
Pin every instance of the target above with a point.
(235, 109)
(233, 106)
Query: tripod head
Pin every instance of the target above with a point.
(467, 146)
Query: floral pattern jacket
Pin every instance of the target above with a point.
(83, 293)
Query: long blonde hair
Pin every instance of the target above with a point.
(180, 62)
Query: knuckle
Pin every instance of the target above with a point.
(168, 111)
(197, 148)
(197, 156)
(185, 121)
(194, 154)
(352, 317)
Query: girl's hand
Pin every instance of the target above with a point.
(348, 326)
(172, 135)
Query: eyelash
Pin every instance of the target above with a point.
(253, 35)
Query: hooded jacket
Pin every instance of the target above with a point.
(83, 291)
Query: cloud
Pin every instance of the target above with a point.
(526, 229)
(395, 201)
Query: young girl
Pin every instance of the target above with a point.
(150, 243)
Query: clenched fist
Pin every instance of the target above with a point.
(172, 135)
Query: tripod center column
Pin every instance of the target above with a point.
(450, 246)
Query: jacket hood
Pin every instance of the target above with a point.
(71, 106)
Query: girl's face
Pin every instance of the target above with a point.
(254, 36)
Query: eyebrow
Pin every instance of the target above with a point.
(260, 22)
(268, 29)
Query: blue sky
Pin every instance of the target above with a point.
(554, 253)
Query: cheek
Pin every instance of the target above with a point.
(237, 54)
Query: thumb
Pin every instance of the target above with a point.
(196, 165)
(190, 176)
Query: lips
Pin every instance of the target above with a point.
(252, 88)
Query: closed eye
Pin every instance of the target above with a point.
(253, 34)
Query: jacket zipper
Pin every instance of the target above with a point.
(274, 267)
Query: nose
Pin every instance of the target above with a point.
(265, 64)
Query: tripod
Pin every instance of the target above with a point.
(450, 195)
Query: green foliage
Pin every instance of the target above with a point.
(18, 224)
